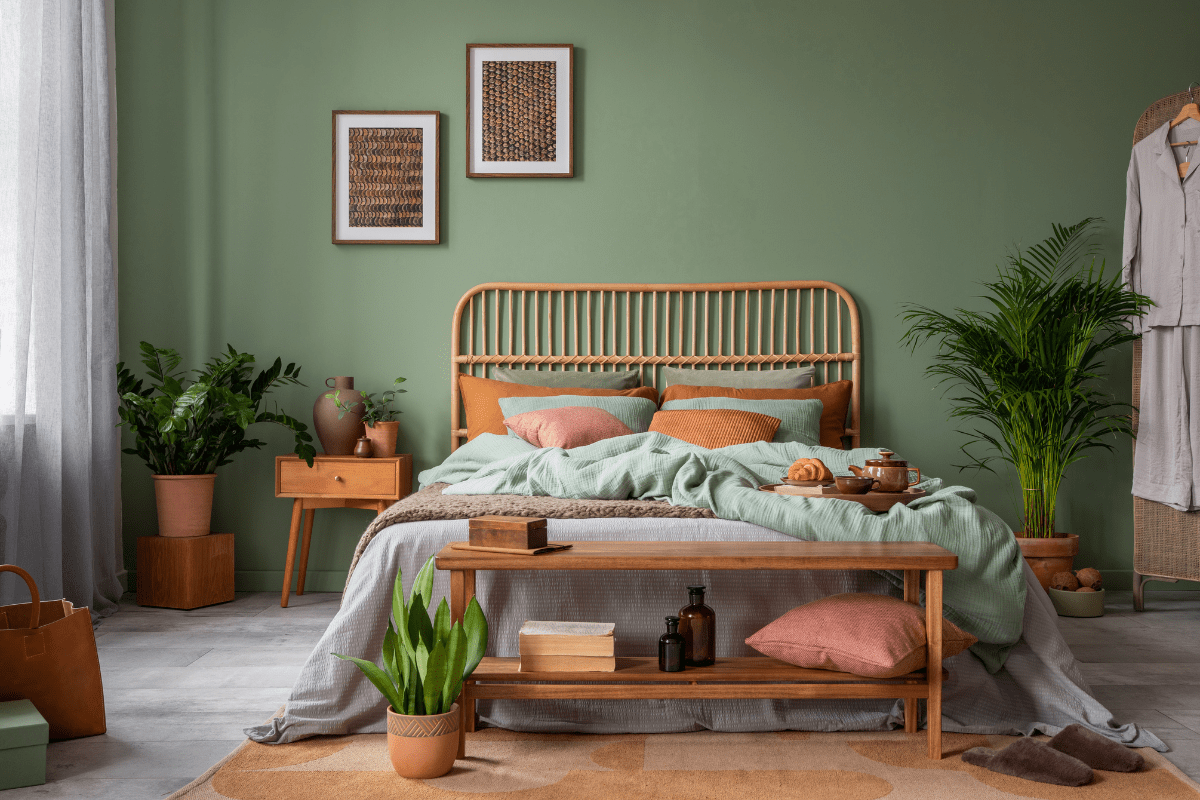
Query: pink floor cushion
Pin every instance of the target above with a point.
(566, 427)
(864, 634)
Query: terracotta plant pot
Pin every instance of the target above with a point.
(1048, 555)
(383, 438)
(423, 746)
(338, 436)
(184, 504)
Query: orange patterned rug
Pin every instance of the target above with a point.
(681, 766)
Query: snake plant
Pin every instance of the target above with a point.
(1029, 368)
(191, 429)
(425, 662)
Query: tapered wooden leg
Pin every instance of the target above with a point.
(308, 522)
(293, 536)
(933, 633)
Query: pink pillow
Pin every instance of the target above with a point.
(864, 634)
(566, 427)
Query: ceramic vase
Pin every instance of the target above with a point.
(423, 746)
(338, 436)
(1047, 555)
(383, 438)
(184, 504)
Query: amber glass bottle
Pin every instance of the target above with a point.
(698, 624)
(670, 648)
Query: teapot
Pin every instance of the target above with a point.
(891, 474)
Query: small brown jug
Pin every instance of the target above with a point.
(363, 448)
(891, 473)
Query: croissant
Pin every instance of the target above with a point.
(809, 469)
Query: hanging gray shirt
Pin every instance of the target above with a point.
(1162, 232)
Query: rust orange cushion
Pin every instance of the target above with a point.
(481, 400)
(834, 397)
(864, 634)
(717, 427)
(566, 427)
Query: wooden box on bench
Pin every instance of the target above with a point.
(516, 533)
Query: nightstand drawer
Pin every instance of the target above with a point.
(340, 478)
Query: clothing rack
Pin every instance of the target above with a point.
(1166, 542)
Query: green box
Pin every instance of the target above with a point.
(23, 737)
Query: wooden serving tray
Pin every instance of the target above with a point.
(875, 501)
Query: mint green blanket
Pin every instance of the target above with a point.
(985, 595)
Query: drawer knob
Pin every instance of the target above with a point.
(337, 477)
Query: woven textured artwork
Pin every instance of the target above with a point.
(519, 111)
(386, 177)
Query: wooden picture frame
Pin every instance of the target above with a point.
(534, 138)
(400, 201)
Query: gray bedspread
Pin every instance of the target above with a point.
(1040, 687)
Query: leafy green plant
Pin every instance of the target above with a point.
(191, 429)
(374, 410)
(1029, 368)
(424, 662)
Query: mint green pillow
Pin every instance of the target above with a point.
(799, 420)
(635, 412)
(795, 378)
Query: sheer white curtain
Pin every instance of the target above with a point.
(59, 449)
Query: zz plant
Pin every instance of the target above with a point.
(183, 428)
(1028, 370)
(425, 662)
(374, 409)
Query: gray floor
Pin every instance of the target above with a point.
(180, 685)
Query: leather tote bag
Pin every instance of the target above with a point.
(48, 656)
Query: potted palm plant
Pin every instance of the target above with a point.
(424, 665)
(185, 430)
(1027, 373)
(382, 428)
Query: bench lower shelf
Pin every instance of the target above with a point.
(731, 678)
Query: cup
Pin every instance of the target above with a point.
(849, 484)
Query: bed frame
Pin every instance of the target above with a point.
(597, 327)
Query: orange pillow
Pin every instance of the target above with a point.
(481, 399)
(713, 428)
(864, 634)
(835, 397)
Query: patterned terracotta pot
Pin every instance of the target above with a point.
(383, 438)
(184, 504)
(338, 435)
(1048, 555)
(424, 746)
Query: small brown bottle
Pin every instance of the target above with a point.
(670, 648)
(698, 624)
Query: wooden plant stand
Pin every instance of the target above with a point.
(754, 677)
(334, 482)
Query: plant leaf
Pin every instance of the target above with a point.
(423, 585)
(456, 662)
(378, 677)
(434, 680)
(476, 628)
(441, 622)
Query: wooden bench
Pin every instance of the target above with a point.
(756, 677)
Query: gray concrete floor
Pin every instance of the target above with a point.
(181, 685)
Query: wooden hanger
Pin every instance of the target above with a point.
(1189, 111)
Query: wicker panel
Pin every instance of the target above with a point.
(1166, 542)
(590, 327)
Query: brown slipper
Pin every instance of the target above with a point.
(1097, 751)
(1032, 760)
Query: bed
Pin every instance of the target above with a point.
(1021, 678)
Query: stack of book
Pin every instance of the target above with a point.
(567, 647)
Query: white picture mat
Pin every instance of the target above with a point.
(428, 124)
(562, 128)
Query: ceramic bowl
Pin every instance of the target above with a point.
(1077, 604)
(848, 484)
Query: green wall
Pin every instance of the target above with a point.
(896, 149)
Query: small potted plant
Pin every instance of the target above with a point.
(185, 431)
(382, 428)
(424, 665)
(1029, 370)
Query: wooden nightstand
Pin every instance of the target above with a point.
(334, 482)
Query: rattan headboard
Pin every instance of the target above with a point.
(645, 326)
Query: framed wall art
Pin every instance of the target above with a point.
(386, 177)
(520, 110)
